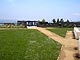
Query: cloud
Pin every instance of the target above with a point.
(76, 14)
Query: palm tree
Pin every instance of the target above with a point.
(58, 21)
(62, 22)
(54, 21)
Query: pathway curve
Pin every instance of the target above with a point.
(68, 43)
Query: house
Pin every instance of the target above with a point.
(27, 23)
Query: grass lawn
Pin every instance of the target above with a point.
(60, 31)
(27, 45)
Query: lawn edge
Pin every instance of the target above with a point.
(60, 52)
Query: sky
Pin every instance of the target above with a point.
(39, 9)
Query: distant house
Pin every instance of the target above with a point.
(46, 24)
(27, 23)
(42, 24)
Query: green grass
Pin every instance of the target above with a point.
(27, 45)
(60, 31)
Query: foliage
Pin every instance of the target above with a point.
(43, 20)
(61, 21)
(68, 24)
(67, 21)
(54, 21)
(58, 20)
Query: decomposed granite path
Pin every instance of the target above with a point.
(69, 35)
(68, 44)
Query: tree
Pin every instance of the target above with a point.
(54, 21)
(43, 20)
(58, 20)
(61, 21)
(67, 21)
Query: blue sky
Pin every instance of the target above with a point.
(39, 9)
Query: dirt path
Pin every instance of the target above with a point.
(69, 35)
(68, 43)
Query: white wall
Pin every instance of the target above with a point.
(76, 32)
